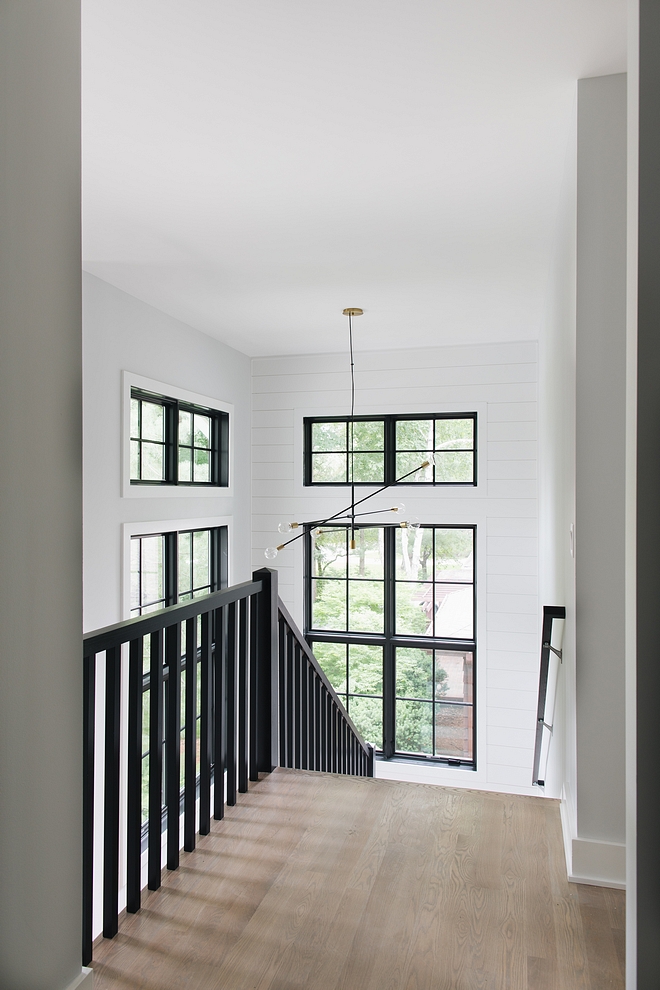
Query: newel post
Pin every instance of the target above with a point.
(267, 679)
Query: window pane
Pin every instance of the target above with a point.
(453, 731)
(367, 713)
(414, 727)
(366, 561)
(329, 468)
(453, 434)
(153, 588)
(135, 417)
(329, 553)
(202, 467)
(414, 554)
(201, 559)
(453, 611)
(412, 461)
(365, 669)
(329, 604)
(414, 673)
(185, 428)
(328, 436)
(135, 573)
(152, 462)
(185, 561)
(135, 460)
(202, 431)
(453, 554)
(454, 467)
(454, 676)
(367, 436)
(153, 421)
(366, 606)
(367, 467)
(332, 657)
(414, 609)
(184, 464)
(414, 434)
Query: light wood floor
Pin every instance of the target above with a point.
(321, 882)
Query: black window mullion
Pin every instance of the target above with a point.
(389, 672)
(389, 442)
(172, 443)
(170, 568)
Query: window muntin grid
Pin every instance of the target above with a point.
(380, 450)
(175, 443)
(410, 596)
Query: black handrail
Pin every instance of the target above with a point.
(259, 684)
(550, 613)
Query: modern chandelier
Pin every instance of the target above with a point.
(348, 513)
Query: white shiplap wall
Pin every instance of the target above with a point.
(499, 381)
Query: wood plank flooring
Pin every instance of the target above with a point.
(321, 882)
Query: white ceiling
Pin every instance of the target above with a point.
(253, 166)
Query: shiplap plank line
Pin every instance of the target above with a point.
(398, 378)
(371, 401)
(460, 355)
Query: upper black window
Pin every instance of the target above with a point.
(177, 443)
(388, 450)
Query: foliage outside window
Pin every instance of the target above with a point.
(176, 443)
(392, 624)
(379, 450)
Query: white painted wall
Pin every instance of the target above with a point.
(121, 333)
(499, 381)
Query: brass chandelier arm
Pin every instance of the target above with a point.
(349, 508)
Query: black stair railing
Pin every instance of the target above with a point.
(316, 732)
(247, 680)
(550, 614)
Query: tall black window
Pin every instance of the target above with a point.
(392, 624)
(379, 450)
(176, 443)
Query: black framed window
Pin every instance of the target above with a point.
(177, 443)
(392, 624)
(167, 568)
(378, 450)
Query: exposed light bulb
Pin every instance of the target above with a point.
(399, 507)
(270, 553)
(316, 532)
(284, 527)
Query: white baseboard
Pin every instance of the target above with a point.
(601, 864)
(83, 981)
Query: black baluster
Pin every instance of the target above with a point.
(111, 797)
(219, 705)
(242, 696)
(89, 706)
(304, 713)
(190, 779)
(290, 749)
(297, 706)
(134, 797)
(173, 742)
(253, 719)
(155, 758)
(205, 727)
(230, 657)
(283, 696)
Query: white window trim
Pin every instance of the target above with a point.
(154, 528)
(129, 381)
